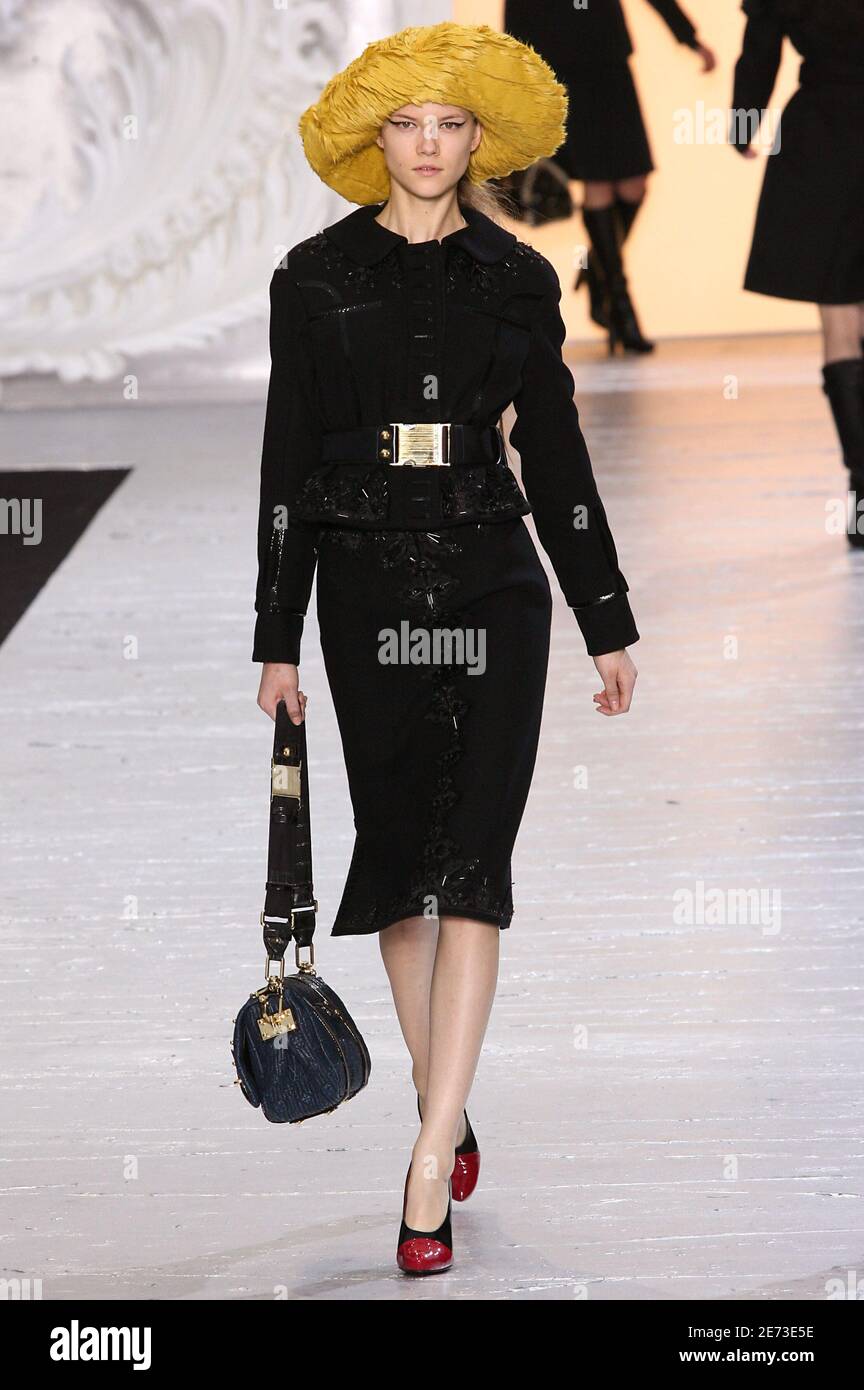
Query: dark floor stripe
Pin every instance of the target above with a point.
(59, 503)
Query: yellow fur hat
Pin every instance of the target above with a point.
(507, 86)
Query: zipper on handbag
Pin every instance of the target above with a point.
(364, 1051)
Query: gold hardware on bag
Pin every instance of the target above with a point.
(280, 961)
(306, 967)
(282, 1021)
(284, 780)
(272, 1025)
(422, 444)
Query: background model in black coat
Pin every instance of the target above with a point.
(588, 51)
(808, 240)
(606, 144)
(597, 33)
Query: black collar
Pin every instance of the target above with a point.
(366, 241)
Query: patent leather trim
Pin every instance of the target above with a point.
(466, 1163)
(425, 1252)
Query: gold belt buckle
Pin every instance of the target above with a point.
(422, 444)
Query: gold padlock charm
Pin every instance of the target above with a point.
(272, 1025)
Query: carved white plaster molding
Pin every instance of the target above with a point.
(154, 173)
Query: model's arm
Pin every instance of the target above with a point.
(559, 483)
(292, 447)
(672, 13)
(755, 71)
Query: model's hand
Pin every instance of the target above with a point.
(708, 56)
(279, 682)
(619, 677)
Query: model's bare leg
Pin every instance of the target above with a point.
(841, 331)
(599, 195)
(631, 190)
(461, 993)
(408, 952)
(443, 981)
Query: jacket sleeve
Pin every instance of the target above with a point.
(559, 484)
(287, 549)
(755, 71)
(681, 27)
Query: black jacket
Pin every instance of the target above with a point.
(568, 37)
(366, 328)
(828, 35)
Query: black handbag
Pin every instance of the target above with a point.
(297, 1051)
(538, 194)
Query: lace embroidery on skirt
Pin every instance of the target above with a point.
(453, 882)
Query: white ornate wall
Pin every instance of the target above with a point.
(151, 167)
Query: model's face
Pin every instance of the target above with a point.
(426, 148)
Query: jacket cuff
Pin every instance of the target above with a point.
(277, 637)
(607, 626)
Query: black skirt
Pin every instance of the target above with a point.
(808, 240)
(606, 136)
(439, 753)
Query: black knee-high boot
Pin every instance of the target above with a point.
(591, 275)
(627, 211)
(843, 384)
(602, 226)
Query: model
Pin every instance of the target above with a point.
(398, 335)
(606, 146)
(808, 241)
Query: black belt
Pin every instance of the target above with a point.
(419, 444)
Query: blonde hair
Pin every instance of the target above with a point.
(490, 197)
(486, 197)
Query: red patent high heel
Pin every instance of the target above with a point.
(466, 1165)
(425, 1252)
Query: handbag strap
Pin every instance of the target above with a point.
(289, 904)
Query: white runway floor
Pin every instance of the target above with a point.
(669, 1100)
